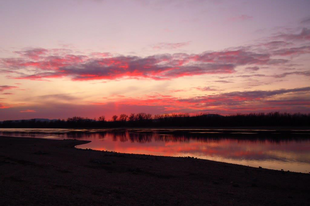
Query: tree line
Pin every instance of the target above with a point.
(168, 120)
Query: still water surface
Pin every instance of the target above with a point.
(256, 148)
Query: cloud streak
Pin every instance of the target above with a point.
(6, 87)
(28, 111)
(295, 51)
(227, 102)
(304, 73)
(304, 35)
(3, 107)
(170, 45)
(34, 54)
(306, 20)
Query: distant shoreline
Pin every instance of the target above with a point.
(273, 119)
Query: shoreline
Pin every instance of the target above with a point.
(186, 128)
(50, 172)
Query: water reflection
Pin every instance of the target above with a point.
(246, 147)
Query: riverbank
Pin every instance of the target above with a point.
(53, 172)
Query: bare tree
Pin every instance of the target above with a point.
(114, 118)
(123, 117)
(101, 119)
(132, 117)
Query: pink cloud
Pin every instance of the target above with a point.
(49, 62)
(28, 111)
(3, 107)
(156, 67)
(101, 54)
(103, 66)
(34, 54)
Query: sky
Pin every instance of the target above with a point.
(91, 58)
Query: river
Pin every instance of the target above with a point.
(272, 149)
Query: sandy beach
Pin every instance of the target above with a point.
(53, 172)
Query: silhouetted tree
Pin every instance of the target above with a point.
(114, 118)
(131, 117)
(123, 117)
(172, 120)
(101, 119)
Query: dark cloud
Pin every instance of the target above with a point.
(6, 87)
(224, 81)
(290, 102)
(264, 94)
(238, 98)
(50, 62)
(252, 68)
(33, 53)
(275, 44)
(251, 75)
(304, 73)
(293, 51)
(304, 35)
(306, 20)
(209, 89)
(236, 57)
(278, 61)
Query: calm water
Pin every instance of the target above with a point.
(264, 148)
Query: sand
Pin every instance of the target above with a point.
(53, 172)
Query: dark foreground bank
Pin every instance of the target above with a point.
(51, 172)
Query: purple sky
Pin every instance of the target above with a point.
(90, 58)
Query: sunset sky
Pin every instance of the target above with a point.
(88, 58)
